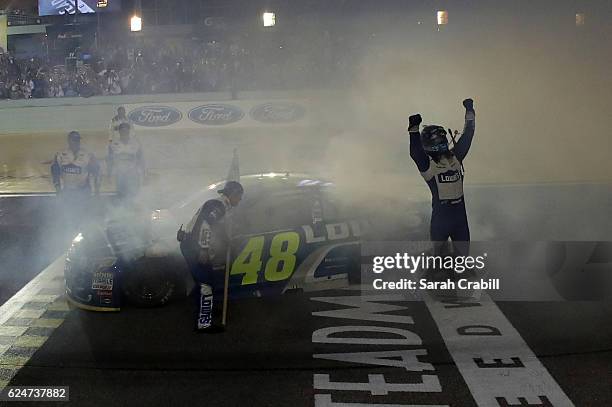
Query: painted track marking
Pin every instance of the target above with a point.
(494, 360)
(24, 328)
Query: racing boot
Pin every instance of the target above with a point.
(205, 307)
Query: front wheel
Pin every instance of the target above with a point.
(149, 282)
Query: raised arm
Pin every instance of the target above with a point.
(419, 156)
(465, 142)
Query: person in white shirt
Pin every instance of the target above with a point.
(74, 172)
(126, 163)
(113, 128)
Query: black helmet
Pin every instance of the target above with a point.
(434, 139)
(231, 187)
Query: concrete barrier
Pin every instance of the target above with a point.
(88, 114)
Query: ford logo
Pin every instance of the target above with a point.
(216, 114)
(155, 116)
(278, 112)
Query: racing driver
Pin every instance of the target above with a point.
(442, 169)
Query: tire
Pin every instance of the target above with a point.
(150, 282)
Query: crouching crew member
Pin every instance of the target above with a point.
(204, 244)
(442, 169)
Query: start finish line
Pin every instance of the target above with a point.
(495, 362)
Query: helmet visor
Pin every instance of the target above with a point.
(434, 139)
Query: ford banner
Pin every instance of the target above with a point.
(155, 116)
(222, 114)
(278, 112)
(216, 114)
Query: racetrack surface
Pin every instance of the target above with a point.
(265, 358)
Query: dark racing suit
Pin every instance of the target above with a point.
(204, 246)
(445, 181)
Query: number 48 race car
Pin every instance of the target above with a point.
(290, 232)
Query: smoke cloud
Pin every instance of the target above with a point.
(539, 167)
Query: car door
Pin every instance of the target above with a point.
(284, 242)
(269, 242)
(333, 240)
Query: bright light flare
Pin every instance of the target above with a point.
(269, 19)
(136, 24)
(442, 17)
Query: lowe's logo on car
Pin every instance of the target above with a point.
(216, 114)
(278, 112)
(155, 116)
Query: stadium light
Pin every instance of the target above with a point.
(136, 24)
(269, 19)
(442, 17)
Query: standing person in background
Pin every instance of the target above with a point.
(74, 172)
(126, 163)
(113, 129)
(441, 167)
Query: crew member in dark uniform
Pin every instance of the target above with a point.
(204, 244)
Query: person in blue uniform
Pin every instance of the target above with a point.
(442, 169)
(204, 244)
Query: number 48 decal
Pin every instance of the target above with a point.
(279, 266)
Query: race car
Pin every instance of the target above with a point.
(291, 232)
